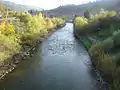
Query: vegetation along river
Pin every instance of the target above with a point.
(60, 63)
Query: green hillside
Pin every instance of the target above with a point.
(93, 7)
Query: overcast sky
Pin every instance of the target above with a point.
(49, 4)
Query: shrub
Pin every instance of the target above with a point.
(96, 51)
(29, 39)
(9, 41)
(116, 38)
(58, 22)
(103, 61)
(25, 18)
(8, 47)
(107, 64)
(80, 24)
(107, 44)
(49, 24)
(7, 29)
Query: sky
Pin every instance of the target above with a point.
(49, 4)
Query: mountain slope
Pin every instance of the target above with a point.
(94, 7)
(19, 7)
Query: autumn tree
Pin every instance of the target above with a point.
(2, 10)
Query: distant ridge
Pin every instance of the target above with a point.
(19, 7)
(93, 7)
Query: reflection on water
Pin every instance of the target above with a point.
(60, 63)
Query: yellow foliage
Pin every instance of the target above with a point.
(80, 23)
(25, 32)
(58, 22)
(86, 26)
(8, 47)
(49, 24)
(29, 39)
(103, 15)
(3, 56)
(6, 28)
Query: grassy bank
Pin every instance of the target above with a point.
(101, 35)
(18, 36)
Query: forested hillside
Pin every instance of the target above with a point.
(92, 7)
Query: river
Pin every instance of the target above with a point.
(60, 63)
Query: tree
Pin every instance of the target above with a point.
(2, 10)
(87, 14)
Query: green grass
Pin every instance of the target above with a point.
(86, 41)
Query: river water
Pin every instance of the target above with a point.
(60, 63)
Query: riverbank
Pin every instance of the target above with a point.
(100, 34)
(22, 55)
(87, 42)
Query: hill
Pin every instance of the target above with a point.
(19, 7)
(93, 7)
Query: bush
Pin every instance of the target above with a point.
(116, 38)
(58, 22)
(96, 49)
(49, 24)
(29, 39)
(107, 44)
(7, 29)
(108, 64)
(103, 61)
(24, 18)
(80, 24)
(8, 47)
